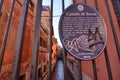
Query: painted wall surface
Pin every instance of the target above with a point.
(101, 66)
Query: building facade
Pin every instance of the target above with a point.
(28, 39)
(54, 49)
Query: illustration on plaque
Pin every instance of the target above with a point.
(82, 31)
(85, 42)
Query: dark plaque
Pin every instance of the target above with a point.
(82, 31)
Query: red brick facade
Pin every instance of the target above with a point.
(28, 38)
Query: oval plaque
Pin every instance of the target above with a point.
(82, 31)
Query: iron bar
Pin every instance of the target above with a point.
(50, 45)
(19, 42)
(79, 70)
(6, 34)
(36, 40)
(65, 64)
(1, 4)
(94, 70)
(93, 61)
(63, 6)
(113, 29)
(64, 51)
(96, 5)
(79, 61)
(117, 7)
(108, 65)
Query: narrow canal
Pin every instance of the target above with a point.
(58, 72)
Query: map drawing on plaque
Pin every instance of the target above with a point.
(82, 31)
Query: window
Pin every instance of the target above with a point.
(43, 43)
(44, 68)
(31, 5)
(0, 13)
(22, 77)
(40, 41)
